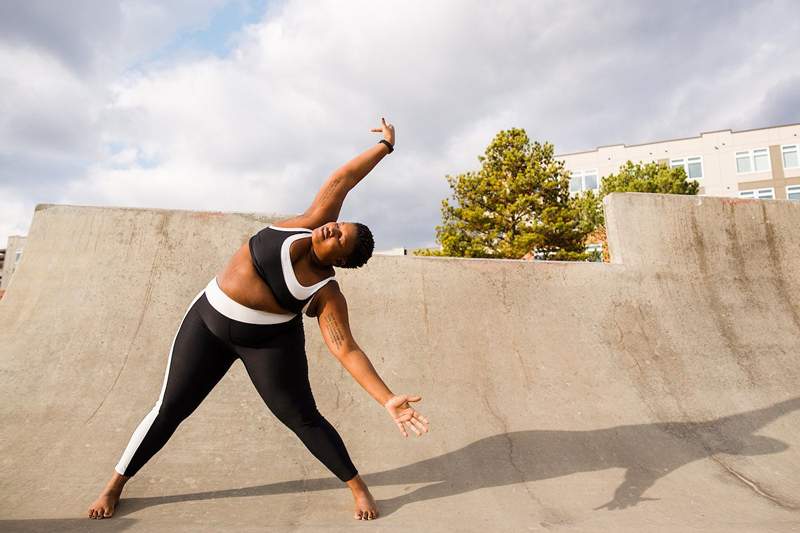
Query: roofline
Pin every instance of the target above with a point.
(677, 139)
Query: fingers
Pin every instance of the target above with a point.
(420, 420)
(402, 425)
(409, 413)
(414, 420)
(417, 424)
(385, 126)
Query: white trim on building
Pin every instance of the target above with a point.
(755, 160)
(761, 194)
(584, 180)
(790, 150)
(693, 166)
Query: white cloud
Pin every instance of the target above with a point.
(14, 215)
(261, 128)
(43, 104)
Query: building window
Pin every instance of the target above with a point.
(17, 256)
(585, 180)
(595, 251)
(761, 194)
(790, 159)
(793, 192)
(692, 165)
(752, 161)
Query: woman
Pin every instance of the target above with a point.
(253, 310)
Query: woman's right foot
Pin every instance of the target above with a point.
(104, 505)
(365, 507)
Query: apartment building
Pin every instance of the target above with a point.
(758, 163)
(11, 258)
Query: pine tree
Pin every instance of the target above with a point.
(517, 203)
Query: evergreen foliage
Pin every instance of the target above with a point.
(517, 202)
(636, 177)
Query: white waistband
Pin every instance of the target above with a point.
(236, 311)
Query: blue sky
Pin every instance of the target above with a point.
(237, 105)
(217, 36)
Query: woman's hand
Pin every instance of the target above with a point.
(403, 413)
(387, 130)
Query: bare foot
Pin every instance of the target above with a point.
(365, 506)
(364, 502)
(104, 505)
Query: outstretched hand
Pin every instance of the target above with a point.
(387, 130)
(403, 413)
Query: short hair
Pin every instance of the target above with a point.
(362, 251)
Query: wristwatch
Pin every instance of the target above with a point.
(388, 144)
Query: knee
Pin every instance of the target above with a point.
(299, 418)
(171, 412)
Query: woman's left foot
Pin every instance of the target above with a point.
(365, 506)
(104, 505)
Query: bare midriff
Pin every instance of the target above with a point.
(241, 282)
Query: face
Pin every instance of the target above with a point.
(334, 242)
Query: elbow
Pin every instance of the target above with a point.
(347, 355)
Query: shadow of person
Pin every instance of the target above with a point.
(647, 452)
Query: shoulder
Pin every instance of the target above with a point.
(329, 294)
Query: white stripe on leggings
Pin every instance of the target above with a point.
(144, 425)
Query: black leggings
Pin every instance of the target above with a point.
(206, 345)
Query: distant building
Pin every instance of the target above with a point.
(11, 258)
(759, 163)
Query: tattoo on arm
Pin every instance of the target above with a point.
(334, 332)
(330, 189)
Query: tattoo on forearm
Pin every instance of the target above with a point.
(334, 332)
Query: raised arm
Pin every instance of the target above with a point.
(331, 311)
(328, 202)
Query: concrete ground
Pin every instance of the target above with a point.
(656, 393)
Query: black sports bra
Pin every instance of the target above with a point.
(269, 249)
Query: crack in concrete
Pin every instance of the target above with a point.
(752, 485)
(144, 307)
(424, 305)
(511, 450)
(525, 375)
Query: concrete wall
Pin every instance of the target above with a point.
(655, 393)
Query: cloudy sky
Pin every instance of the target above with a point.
(248, 105)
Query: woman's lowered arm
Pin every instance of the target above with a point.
(334, 324)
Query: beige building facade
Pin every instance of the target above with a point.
(13, 255)
(758, 163)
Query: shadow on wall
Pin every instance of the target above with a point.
(646, 451)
